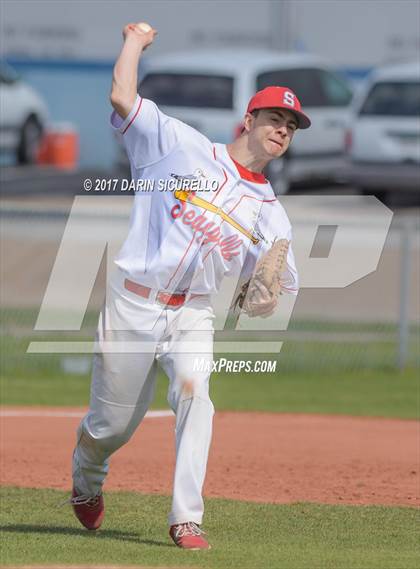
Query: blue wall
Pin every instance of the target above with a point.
(78, 93)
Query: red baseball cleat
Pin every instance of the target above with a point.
(188, 536)
(89, 510)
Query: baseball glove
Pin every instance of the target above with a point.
(259, 296)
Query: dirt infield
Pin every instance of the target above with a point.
(261, 457)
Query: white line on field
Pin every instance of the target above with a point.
(66, 414)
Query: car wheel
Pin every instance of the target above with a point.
(30, 137)
(277, 173)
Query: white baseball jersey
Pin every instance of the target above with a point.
(175, 244)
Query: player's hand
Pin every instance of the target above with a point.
(140, 32)
(262, 296)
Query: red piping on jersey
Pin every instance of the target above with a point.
(224, 182)
(135, 114)
(211, 201)
(252, 198)
(246, 174)
(224, 174)
(230, 211)
(210, 250)
(182, 259)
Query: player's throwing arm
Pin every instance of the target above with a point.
(137, 37)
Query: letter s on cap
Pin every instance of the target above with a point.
(289, 98)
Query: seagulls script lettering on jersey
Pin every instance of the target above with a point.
(229, 246)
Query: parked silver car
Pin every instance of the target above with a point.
(23, 115)
(384, 138)
(210, 90)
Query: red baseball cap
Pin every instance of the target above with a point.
(279, 97)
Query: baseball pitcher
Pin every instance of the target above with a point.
(180, 246)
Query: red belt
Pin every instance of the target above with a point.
(166, 298)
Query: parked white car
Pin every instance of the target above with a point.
(210, 90)
(23, 115)
(384, 138)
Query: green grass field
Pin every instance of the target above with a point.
(382, 393)
(311, 377)
(243, 535)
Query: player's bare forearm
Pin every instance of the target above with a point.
(137, 37)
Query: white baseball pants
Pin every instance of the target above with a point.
(133, 335)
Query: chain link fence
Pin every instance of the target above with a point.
(371, 324)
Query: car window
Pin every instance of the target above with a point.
(188, 90)
(314, 87)
(337, 92)
(306, 83)
(399, 99)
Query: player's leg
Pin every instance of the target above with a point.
(107, 426)
(110, 422)
(123, 383)
(188, 365)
